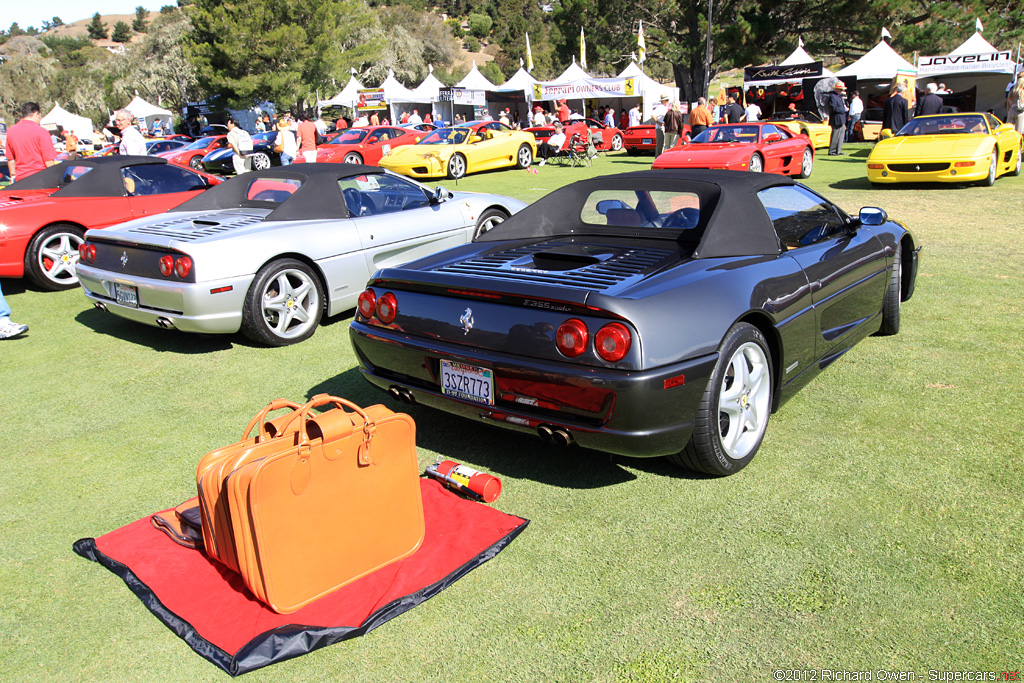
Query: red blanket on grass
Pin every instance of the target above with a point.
(208, 606)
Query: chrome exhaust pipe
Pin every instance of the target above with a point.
(561, 437)
(401, 394)
(100, 305)
(407, 395)
(545, 433)
(395, 393)
(165, 323)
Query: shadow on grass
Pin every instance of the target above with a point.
(170, 341)
(507, 453)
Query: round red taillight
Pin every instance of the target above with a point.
(612, 342)
(572, 337)
(166, 265)
(87, 252)
(367, 303)
(92, 253)
(387, 308)
(183, 266)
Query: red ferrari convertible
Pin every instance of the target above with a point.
(192, 154)
(744, 147)
(365, 145)
(610, 138)
(44, 216)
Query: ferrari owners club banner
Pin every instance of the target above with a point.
(371, 99)
(586, 88)
(1000, 62)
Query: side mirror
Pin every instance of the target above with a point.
(771, 137)
(440, 195)
(885, 134)
(1005, 127)
(870, 215)
(605, 205)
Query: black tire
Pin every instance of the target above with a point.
(756, 163)
(744, 348)
(488, 220)
(456, 166)
(353, 158)
(52, 255)
(990, 179)
(196, 163)
(893, 300)
(806, 164)
(616, 142)
(524, 157)
(259, 161)
(275, 317)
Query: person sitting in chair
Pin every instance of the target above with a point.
(552, 145)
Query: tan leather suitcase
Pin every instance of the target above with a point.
(217, 465)
(339, 500)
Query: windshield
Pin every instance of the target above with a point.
(201, 143)
(740, 134)
(954, 124)
(349, 137)
(446, 136)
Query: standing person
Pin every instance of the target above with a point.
(856, 111)
(751, 113)
(837, 119)
(9, 328)
(552, 145)
(28, 145)
(132, 142)
(715, 110)
(895, 112)
(71, 144)
(260, 126)
(341, 123)
(158, 128)
(1015, 104)
(285, 142)
(538, 116)
(414, 117)
(503, 117)
(321, 126)
(634, 115)
(609, 117)
(658, 114)
(307, 138)
(732, 112)
(563, 111)
(700, 118)
(931, 103)
(241, 146)
(673, 125)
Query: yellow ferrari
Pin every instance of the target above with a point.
(947, 148)
(454, 152)
(805, 123)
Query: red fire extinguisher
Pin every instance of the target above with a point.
(463, 479)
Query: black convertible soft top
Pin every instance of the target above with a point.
(318, 196)
(733, 221)
(103, 181)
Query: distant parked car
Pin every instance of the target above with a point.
(192, 154)
(262, 157)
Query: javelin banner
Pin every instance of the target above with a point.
(586, 87)
(998, 62)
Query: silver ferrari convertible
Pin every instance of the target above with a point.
(270, 252)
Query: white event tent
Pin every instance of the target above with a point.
(147, 113)
(421, 98)
(976, 74)
(875, 72)
(59, 116)
(648, 89)
(348, 96)
(475, 80)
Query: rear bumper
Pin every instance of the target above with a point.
(638, 416)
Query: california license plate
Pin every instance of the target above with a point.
(126, 295)
(467, 382)
(648, 141)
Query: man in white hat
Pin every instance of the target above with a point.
(658, 113)
(837, 118)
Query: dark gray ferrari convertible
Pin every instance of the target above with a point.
(646, 314)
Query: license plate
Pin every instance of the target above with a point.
(648, 141)
(126, 295)
(467, 382)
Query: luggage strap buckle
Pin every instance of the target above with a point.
(369, 429)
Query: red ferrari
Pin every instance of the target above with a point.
(641, 138)
(43, 217)
(192, 154)
(744, 147)
(610, 138)
(365, 145)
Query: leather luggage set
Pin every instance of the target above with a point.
(313, 501)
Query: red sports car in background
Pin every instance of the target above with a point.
(192, 154)
(365, 145)
(45, 215)
(637, 139)
(755, 147)
(605, 139)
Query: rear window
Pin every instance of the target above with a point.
(73, 173)
(271, 190)
(642, 209)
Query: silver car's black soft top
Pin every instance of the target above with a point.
(733, 222)
(317, 197)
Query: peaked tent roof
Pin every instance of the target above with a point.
(140, 108)
(522, 80)
(348, 96)
(475, 80)
(976, 44)
(649, 88)
(427, 91)
(395, 91)
(60, 116)
(880, 63)
(573, 73)
(800, 56)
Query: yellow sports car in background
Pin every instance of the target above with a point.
(947, 148)
(454, 152)
(805, 123)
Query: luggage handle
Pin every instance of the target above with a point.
(260, 419)
(369, 427)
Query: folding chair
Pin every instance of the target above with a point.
(574, 153)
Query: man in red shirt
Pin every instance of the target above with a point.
(307, 139)
(563, 111)
(29, 148)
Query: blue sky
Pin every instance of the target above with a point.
(35, 13)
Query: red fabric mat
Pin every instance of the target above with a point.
(209, 607)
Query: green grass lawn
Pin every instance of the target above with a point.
(879, 527)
